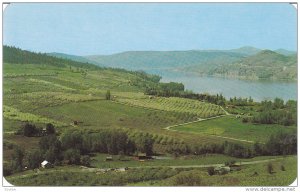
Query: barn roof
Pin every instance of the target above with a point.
(45, 162)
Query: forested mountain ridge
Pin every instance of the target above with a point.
(264, 65)
(244, 63)
(19, 56)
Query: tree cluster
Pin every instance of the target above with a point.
(277, 144)
(276, 112)
(240, 101)
(31, 130)
(173, 89)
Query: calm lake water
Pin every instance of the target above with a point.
(258, 90)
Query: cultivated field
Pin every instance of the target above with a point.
(181, 105)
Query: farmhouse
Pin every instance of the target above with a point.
(45, 164)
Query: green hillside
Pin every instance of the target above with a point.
(19, 56)
(264, 65)
(43, 89)
(245, 62)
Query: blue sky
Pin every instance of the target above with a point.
(106, 28)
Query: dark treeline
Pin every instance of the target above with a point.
(74, 147)
(104, 141)
(278, 144)
(174, 89)
(116, 142)
(240, 101)
(31, 130)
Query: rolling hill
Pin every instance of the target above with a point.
(143, 60)
(245, 62)
(263, 65)
(19, 56)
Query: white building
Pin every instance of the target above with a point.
(45, 164)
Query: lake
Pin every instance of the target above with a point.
(258, 90)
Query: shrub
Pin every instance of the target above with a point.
(270, 168)
(17, 156)
(85, 160)
(29, 130)
(7, 170)
(34, 159)
(72, 156)
(8, 145)
(188, 179)
(210, 171)
(245, 120)
(50, 128)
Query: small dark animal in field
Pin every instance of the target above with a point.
(255, 174)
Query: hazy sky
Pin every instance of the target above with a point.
(105, 28)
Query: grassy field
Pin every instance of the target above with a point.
(229, 126)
